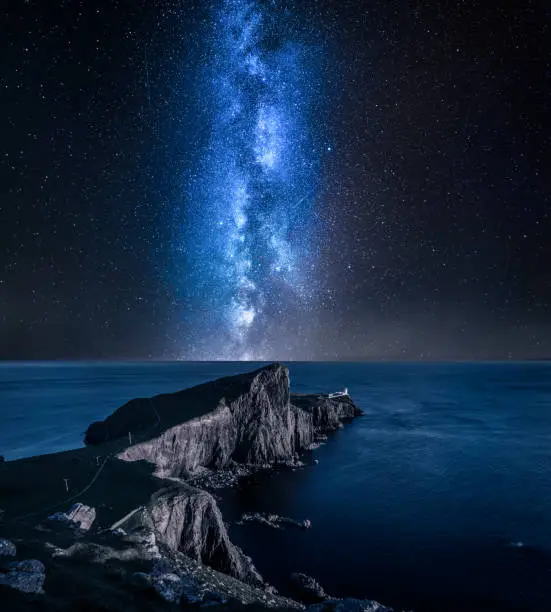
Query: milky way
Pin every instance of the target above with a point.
(250, 225)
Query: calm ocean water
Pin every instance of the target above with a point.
(415, 504)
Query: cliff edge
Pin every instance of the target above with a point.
(135, 479)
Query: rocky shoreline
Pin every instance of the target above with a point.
(130, 520)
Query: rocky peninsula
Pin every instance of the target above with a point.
(127, 521)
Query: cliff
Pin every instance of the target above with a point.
(254, 420)
(141, 484)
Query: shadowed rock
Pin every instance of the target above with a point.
(307, 589)
(273, 520)
(79, 515)
(188, 520)
(149, 513)
(250, 419)
(348, 605)
(27, 576)
(7, 548)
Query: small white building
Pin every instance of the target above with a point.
(339, 393)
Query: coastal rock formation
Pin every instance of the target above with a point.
(79, 515)
(348, 605)
(188, 520)
(142, 515)
(7, 548)
(27, 576)
(273, 520)
(246, 420)
(307, 589)
(249, 419)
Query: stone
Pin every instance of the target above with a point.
(188, 520)
(79, 515)
(251, 419)
(168, 586)
(348, 605)
(307, 589)
(27, 576)
(7, 548)
(273, 520)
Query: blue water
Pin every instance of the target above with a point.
(414, 504)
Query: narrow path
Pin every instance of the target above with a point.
(67, 500)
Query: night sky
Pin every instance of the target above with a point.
(275, 180)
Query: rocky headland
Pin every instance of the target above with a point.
(129, 522)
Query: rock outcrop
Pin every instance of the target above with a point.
(348, 605)
(143, 486)
(79, 515)
(254, 420)
(273, 520)
(246, 420)
(188, 520)
(27, 576)
(307, 589)
(7, 548)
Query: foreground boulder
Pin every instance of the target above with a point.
(7, 548)
(188, 520)
(79, 515)
(348, 605)
(307, 589)
(27, 576)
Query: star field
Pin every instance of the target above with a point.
(275, 180)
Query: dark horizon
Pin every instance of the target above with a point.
(270, 361)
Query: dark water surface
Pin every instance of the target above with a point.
(415, 504)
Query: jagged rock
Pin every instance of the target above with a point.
(348, 605)
(79, 515)
(83, 516)
(246, 420)
(221, 478)
(7, 548)
(27, 576)
(143, 539)
(168, 586)
(203, 586)
(182, 588)
(307, 589)
(327, 413)
(250, 419)
(273, 520)
(188, 520)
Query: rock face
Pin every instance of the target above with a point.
(307, 589)
(348, 605)
(7, 548)
(27, 576)
(79, 515)
(246, 420)
(188, 520)
(254, 421)
(249, 420)
(273, 520)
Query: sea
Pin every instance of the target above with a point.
(438, 499)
